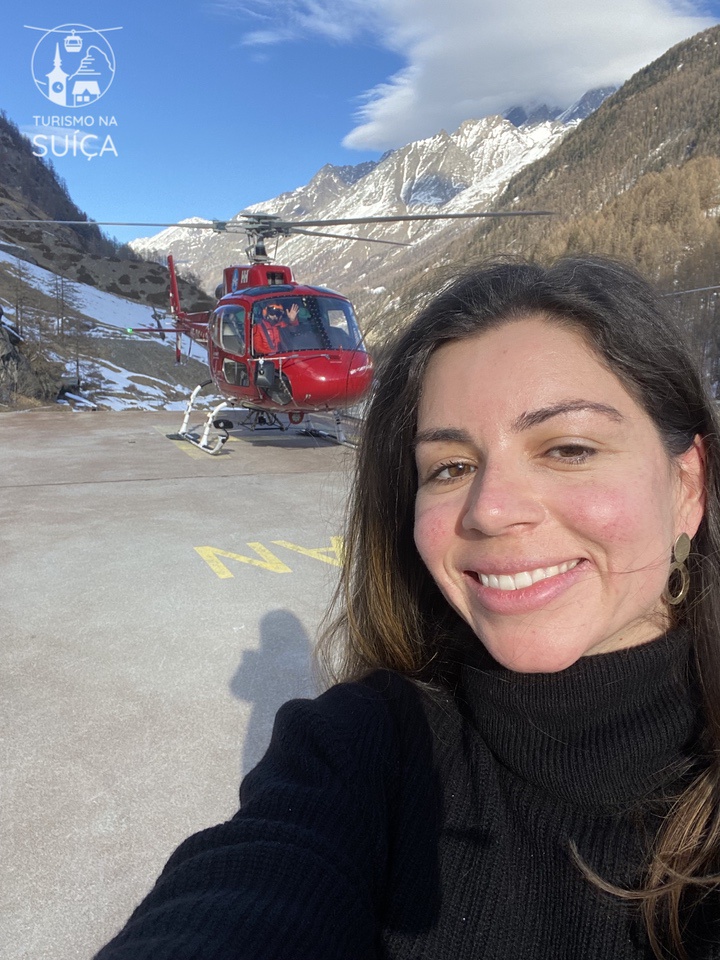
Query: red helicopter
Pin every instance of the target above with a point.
(275, 347)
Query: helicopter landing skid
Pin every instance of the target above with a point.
(338, 437)
(203, 441)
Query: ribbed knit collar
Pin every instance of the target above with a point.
(609, 730)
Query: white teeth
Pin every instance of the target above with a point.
(525, 578)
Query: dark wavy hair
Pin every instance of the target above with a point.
(388, 612)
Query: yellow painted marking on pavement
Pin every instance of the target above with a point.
(183, 445)
(187, 448)
(211, 556)
(332, 554)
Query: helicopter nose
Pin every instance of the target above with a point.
(360, 376)
(332, 380)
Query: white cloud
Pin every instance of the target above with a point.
(278, 20)
(472, 58)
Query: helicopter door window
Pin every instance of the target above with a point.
(338, 329)
(236, 373)
(232, 330)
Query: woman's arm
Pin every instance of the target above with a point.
(298, 872)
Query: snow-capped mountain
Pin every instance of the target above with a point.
(460, 172)
(531, 113)
(586, 105)
(447, 173)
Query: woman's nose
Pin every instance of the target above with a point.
(501, 498)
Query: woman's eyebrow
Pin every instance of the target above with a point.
(526, 420)
(533, 417)
(441, 435)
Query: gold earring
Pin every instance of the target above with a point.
(681, 551)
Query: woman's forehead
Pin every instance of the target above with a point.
(525, 364)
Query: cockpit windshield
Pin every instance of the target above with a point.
(286, 324)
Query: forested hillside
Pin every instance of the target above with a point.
(51, 337)
(639, 179)
(29, 186)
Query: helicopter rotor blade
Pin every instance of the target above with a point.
(345, 236)
(400, 218)
(272, 225)
(212, 225)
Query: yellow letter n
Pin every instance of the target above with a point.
(268, 561)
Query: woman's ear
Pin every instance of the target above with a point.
(692, 487)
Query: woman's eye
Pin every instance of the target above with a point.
(455, 470)
(571, 453)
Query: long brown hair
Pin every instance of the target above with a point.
(388, 612)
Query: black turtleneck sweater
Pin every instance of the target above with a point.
(389, 821)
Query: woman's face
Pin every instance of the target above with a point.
(547, 506)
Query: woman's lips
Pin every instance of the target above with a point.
(524, 578)
(511, 597)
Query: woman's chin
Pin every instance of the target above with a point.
(524, 655)
(527, 654)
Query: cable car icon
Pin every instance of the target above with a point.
(73, 43)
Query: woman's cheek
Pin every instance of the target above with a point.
(433, 526)
(612, 514)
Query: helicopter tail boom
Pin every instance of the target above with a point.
(193, 325)
(175, 307)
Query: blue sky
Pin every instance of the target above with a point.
(222, 103)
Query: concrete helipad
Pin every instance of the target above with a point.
(156, 607)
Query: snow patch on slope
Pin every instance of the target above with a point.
(106, 314)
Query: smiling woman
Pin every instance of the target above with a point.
(547, 503)
(550, 439)
(522, 761)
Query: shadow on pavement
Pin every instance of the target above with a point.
(279, 670)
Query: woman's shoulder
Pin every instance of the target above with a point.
(374, 718)
(380, 697)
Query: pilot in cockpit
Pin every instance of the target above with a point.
(279, 329)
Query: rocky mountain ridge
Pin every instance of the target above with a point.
(657, 137)
(447, 173)
(639, 179)
(538, 113)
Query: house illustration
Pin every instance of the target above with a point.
(85, 91)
